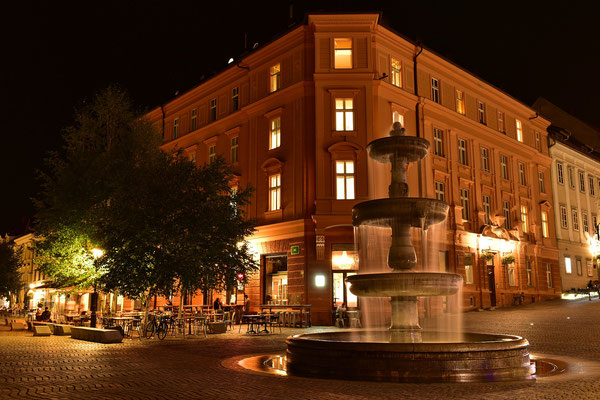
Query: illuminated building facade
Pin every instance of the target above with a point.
(575, 151)
(295, 116)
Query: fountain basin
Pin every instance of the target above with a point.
(441, 357)
(413, 211)
(410, 147)
(394, 284)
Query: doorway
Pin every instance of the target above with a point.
(492, 282)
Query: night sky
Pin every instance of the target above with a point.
(57, 53)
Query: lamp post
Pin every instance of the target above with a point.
(96, 253)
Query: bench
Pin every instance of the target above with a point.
(41, 330)
(97, 335)
(17, 326)
(62, 330)
(217, 327)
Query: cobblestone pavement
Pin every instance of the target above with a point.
(65, 368)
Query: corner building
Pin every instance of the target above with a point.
(295, 117)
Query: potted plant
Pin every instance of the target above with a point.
(509, 259)
(487, 256)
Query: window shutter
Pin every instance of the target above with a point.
(362, 53)
(324, 53)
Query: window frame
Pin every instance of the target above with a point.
(501, 122)
(591, 185)
(564, 217)
(485, 159)
(235, 99)
(575, 219)
(481, 112)
(274, 78)
(234, 149)
(541, 183)
(519, 129)
(504, 167)
(522, 175)
(275, 132)
(545, 227)
(435, 90)
(463, 157)
(346, 177)
(175, 128)
(193, 119)
(506, 214)
(487, 208)
(274, 191)
(396, 73)
(440, 190)
(344, 112)
(212, 110)
(438, 142)
(212, 153)
(342, 49)
(581, 181)
(464, 201)
(560, 173)
(524, 218)
(460, 102)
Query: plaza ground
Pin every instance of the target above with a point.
(61, 367)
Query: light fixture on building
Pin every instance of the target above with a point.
(230, 60)
(320, 280)
(97, 253)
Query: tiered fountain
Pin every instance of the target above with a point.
(405, 352)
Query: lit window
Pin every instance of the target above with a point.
(396, 73)
(503, 167)
(564, 221)
(464, 202)
(538, 141)
(594, 224)
(519, 130)
(506, 213)
(501, 126)
(435, 90)
(175, 128)
(344, 178)
(212, 153)
(529, 273)
(342, 53)
(522, 180)
(344, 114)
(438, 140)
(274, 192)
(549, 274)
(541, 182)
(590, 268)
(584, 219)
(487, 209)
(481, 112)
(234, 149)
(485, 159)
(462, 152)
(235, 99)
(575, 215)
(275, 133)
(524, 224)
(275, 78)
(591, 186)
(560, 173)
(571, 177)
(439, 191)
(397, 117)
(194, 120)
(460, 102)
(213, 110)
(192, 157)
(579, 266)
(510, 269)
(568, 268)
(468, 273)
(581, 182)
(544, 224)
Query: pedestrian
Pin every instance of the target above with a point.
(246, 304)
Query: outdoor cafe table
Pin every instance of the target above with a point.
(255, 319)
(294, 307)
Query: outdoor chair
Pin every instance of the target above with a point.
(275, 321)
(229, 319)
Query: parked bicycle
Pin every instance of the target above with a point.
(159, 325)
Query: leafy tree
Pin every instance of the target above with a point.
(10, 275)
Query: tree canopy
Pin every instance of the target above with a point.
(10, 276)
(162, 222)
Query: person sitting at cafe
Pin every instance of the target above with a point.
(38, 314)
(45, 317)
(217, 305)
(246, 304)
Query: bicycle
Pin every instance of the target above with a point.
(159, 325)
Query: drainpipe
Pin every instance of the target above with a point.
(162, 109)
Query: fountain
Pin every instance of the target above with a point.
(405, 352)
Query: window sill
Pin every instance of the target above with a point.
(344, 133)
(274, 214)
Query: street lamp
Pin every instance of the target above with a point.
(96, 253)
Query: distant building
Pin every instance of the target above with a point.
(294, 117)
(575, 150)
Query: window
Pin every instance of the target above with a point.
(234, 149)
(435, 90)
(538, 141)
(213, 110)
(469, 273)
(275, 133)
(581, 182)
(594, 224)
(275, 78)
(579, 266)
(591, 186)
(584, 219)
(396, 73)
(344, 178)
(481, 113)
(462, 152)
(519, 130)
(511, 274)
(524, 224)
(397, 117)
(522, 174)
(503, 167)
(175, 128)
(545, 224)
(235, 99)
(506, 213)
(590, 268)
(487, 209)
(460, 102)
(501, 125)
(571, 177)
(541, 182)
(464, 202)
(563, 217)
(575, 216)
(439, 191)
(438, 139)
(485, 159)
(274, 192)
(192, 157)
(212, 153)
(194, 120)
(342, 53)
(568, 269)
(344, 114)
(559, 173)
(549, 274)
(529, 273)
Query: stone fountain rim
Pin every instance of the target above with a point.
(409, 274)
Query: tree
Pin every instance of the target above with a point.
(10, 275)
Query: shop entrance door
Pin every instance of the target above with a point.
(492, 283)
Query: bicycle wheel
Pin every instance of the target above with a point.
(150, 327)
(162, 330)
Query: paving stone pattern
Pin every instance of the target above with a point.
(65, 368)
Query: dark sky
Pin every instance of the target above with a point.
(57, 53)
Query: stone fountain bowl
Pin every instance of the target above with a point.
(405, 210)
(440, 357)
(410, 147)
(391, 284)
